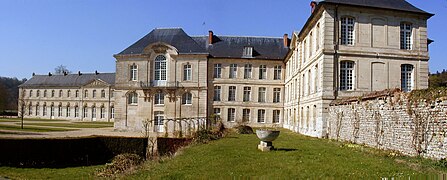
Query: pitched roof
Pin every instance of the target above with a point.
(400, 5)
(173, 36)
(70, 80)
(233, 46)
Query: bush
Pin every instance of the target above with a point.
(244, 129)
(205, 135)
(120, 164)
(442, 163)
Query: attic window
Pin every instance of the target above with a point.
(248, 52)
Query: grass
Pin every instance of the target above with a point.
(72, 125)
(39, 120)
(32, 128)
(237, 157)
(86, 172)
(297, 157)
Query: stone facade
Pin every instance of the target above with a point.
(346, 51)
(394, 123)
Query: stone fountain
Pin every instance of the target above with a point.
(266, 137)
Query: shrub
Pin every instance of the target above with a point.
(120, 164)
(244, 129)
(205, 135)
(442, 163)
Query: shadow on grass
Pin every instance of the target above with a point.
(285, 149)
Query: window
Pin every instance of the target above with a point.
(187, 72)
(233, 71)
(158, 118)
(160, 68)
(103, 112)
(311, 46)
(247, 71)
(262, 72)
(60, 93)
(261, 116)
(217, 71)
(31, 93)
(248, 52)
(347, 30)
(159, 99)
(44, 110)
(94, 94)
(68, 93)
(86, 93)
(276, 116)
(76, 111)
(247, 94)
(77, 93)
(187, 98)
(316, 76)
(246, 115)
(85, 112)
(261, 94)
(103, 93)
(37, 110)
(52, 93)
(133, 72)
(406, 77)
(30, 109)
(45, 93)
(217, 92)
(317, 37)
(216, 113)
(112, 93)
(38, 93)
(276, 95)
(93, 112)
(277, 73)
(231, 115)
(51, 110)
(232, 93)
(314, 116)
(309, 81)
(406, 36)
(346, 75)
(59, 111)
(112, 112)
(67, 111)
(133, 98)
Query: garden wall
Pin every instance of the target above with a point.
(413, 124)
(68, 151)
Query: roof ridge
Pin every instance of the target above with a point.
(169, 28)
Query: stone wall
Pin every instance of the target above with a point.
(396, 121)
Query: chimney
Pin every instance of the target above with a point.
(313, 4)
(210, 37)
(96, 72)
(79, 73)
(286, 40)
(49, 74)
(65, 73)
(34, 74)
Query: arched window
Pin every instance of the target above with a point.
(86, 93)
(85, 112)
(347, 30)
(60, 93)
(133, 98)
(68, 93)
(67, 111)
(94, 94)
(187, 98)
(45, 93)
(93, 112)
(160, 68)
(38, 93)
(133, 72)
(59, 111)
(76, 111)
(346, 75)
(77, 93)
(406, 77)
(406, 40)
(30, 93)
(103, 93)
(37, 110)
(52, 93)
(112, 112)
(30, 109)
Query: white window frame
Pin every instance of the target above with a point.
(112, 112)
(102, 112)
(103, 93)
(159, 117)
(247, 94)
(248, 52)
(406, 36)
(232, 74)
(276, 95)
(232, 93)
(76, 111)
(248, 71)
(277, 72)
(276, 116)
(94, 112)
(262, 91)
(217, 71)
(217, 93)
(261, 115)
(263, 72)
(231, 115)
(133, 72)
(159, 98)
(246, 115)
(347, 30)
(67, 111)
(133, 98)
(187, 72)
(347, 75)
(160, 68)
(187, 98)
(407, 79)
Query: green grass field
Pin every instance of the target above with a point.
(28, 128)
(236, 156)
(70, 125)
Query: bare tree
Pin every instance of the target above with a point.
(61, 69)
(22, 105)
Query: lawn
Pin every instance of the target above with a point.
(72, 125)
(38, 120)
(236, 156)
(28, 128)
(297, 157)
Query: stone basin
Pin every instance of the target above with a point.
(267, 135)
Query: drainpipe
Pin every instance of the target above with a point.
(336, 56)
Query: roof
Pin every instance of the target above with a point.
(233, 46)
(400, 5)
(173, 36)
(70, 80)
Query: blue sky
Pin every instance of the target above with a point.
(38, 35)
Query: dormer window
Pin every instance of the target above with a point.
(248, 52)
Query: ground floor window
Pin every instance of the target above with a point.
(112, 112)
(103, 112)
(261, 116)
(76, 111)
(93, 112)
(158, 118)
(216, 113)
(245, 115)
(59, 111)
(85, 112)
(276, 115)
(67, 112)
(231, 114)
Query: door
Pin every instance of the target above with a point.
(158, 121)
(378, 77)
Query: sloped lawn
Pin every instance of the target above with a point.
(297, 157)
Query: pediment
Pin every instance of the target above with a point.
(97, 83)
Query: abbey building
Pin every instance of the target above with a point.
(346, 48)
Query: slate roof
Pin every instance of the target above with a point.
(70, 80)
(400, 5)
(233, 46)
(172, 36)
